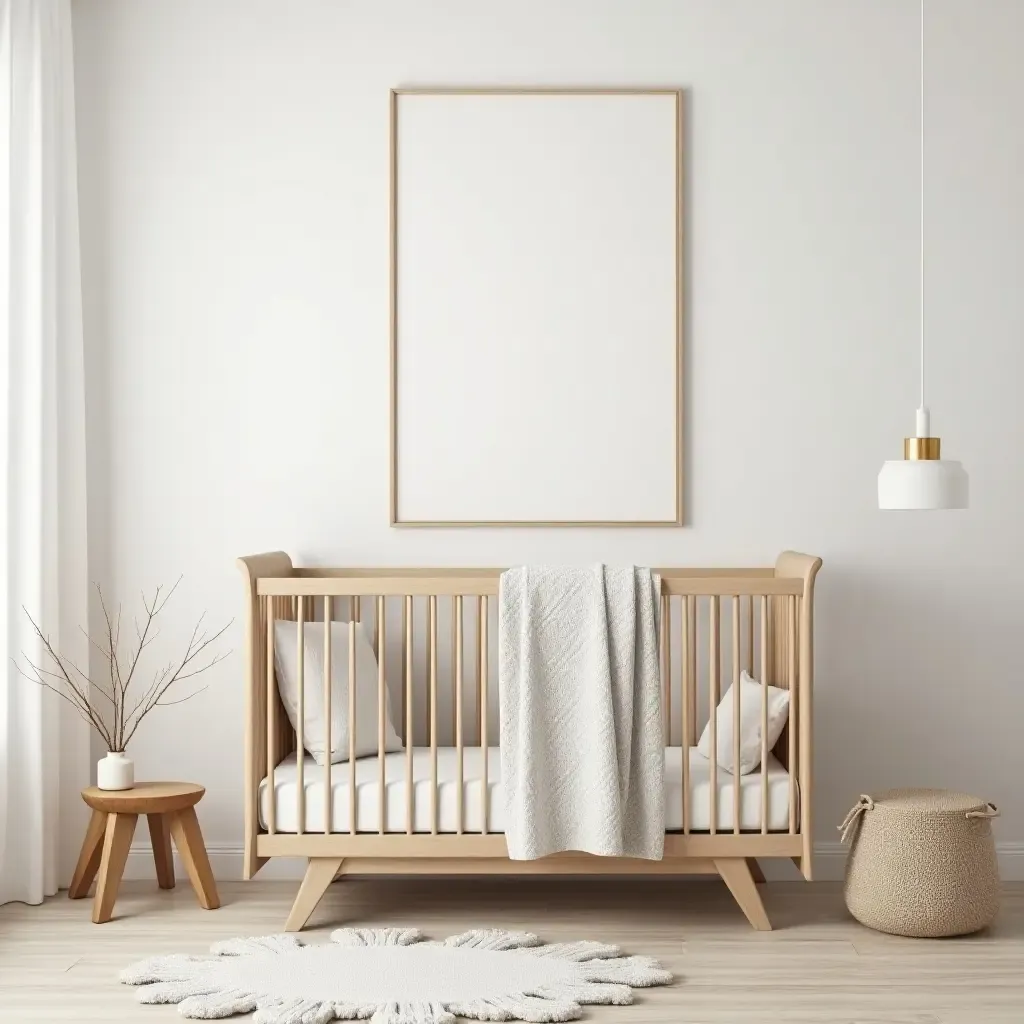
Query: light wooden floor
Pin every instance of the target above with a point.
(818, 967)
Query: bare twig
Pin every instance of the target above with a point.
(70, 683)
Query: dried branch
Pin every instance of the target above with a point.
(69, 682)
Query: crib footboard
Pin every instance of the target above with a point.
(431, 806)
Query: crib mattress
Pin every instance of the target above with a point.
(368, 800)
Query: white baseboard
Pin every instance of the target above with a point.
(829, 861)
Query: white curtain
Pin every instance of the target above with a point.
(44, 748)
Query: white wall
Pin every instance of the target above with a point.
(233, 171)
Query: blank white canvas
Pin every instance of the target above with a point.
(536, 240)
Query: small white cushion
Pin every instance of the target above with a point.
(286, 661)
(751, 698)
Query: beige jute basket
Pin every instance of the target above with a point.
(922, 863)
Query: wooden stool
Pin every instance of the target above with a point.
(170, 807)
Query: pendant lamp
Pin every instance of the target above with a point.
(922, 479)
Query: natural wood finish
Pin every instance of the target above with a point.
(381, 709)
(714, 670)
(793, 564)
(764, 712)
(160, 840)
(393, 153)
(408, 715)
(352, 721)
(819, 966)
(89, 858)
(665, 628)
(487, 586)
(188, 838)
(271, 705)
(258, 737)
(736, 714)
(736, 874)
(329, 746)
(784, 594)
(485, 792)
(144, 798)
(432, 667)
(116, 843)
(419, 572)
(477, 719)
(459, 756)
(556, 864)
(115, 815)
(493, 846)
(320, 872)
(755, 870)
(300, 738)
(791, 727)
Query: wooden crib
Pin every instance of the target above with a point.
(434, 807)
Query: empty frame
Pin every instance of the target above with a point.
(536, 307)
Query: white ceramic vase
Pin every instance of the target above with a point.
(115, 771)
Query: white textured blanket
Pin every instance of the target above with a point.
(582, 753)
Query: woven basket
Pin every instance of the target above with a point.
(922, 863)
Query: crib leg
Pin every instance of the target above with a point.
(736, 874)
(320, 873)
(755, 870)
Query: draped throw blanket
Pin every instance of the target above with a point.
(582, 752)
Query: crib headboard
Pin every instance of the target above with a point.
(433, 631)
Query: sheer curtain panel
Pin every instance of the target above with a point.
(44, 748)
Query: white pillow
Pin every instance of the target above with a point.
(286, 661)
(750, 724)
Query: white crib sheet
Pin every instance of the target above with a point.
(368, 807)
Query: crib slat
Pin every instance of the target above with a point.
(379, 630)
(329, 747)
(713, 672)
(479, 678)
(352, 722)
(432, 645)
(300, 738)
(691, 604)
(458, 713)
(736, 714)
(376, 632)
(452, 689)
(794, 604)
(407, 617)
(271, 722)
(749, 663)
(485, 794)
(687, 615)
(764, 715)
(666, 667)
(405, 655)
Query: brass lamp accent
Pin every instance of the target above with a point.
(921, 447)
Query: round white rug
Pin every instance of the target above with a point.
(394, 976)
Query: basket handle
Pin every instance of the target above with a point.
(865, 803)
(990, 811)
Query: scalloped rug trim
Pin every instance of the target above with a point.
(395, 976)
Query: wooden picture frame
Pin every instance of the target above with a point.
(662, 366)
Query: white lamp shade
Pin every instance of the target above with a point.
(922, 484)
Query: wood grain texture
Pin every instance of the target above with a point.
(817, 967)
(89, 858)
(737, 875)
(160, 839)
(116, 842)
(189, 840)
(144, 798)
(320, 872)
